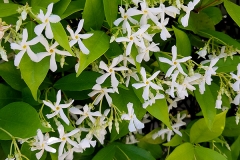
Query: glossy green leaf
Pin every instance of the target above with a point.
(34, 73)
(8, 9)
(43, 3)
(93, 14)
(208, 107)
(235, 150)
(82, 82)
(214, 13)
(12, 75)
(154, 149)
(159, 110)
(228, 65)
(183, 43)
(73, 7)
(233, 10)
(206, 4)
(184, 151)
(201, 133)
(17, 118)
(60, 7)
(199, 21)
(8, 95)
(114, 50)
(119, 151)
(60, 36)
(231, 128)
(176, 139)
(97, 44)
(110, 10)
(202, 153)
(220, 38)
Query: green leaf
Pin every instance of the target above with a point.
(201, 133)
(8, 9)
(8, 95)
(120, 101)
(159, 110)
(199, 21)
(34, 73)
(235, 150)
(97, 44)
(228, 65)
(60, 7)
(207, 3)
(184, 151)
(73, 7)
(82, 82)
(12, 75)
(114, 50)
(202, 153)
(208, 107)
(28, 98)
(19, 119)
(154, 149)
(233, 10)
(176, 139)
(119, 151)
(231, 128)
(60, 36)
(93, 14)
(214, 13)
(220, 38)
(183, 43)
(44, 3)
(110, 10)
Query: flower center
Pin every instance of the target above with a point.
(63, 138)
(57, 108)
(24, 46)
(175, 63)
(147, 82)
(131, 38)
(145, 11)
(76, 36)
(111, 70)
(125, 17)
(46, 20)
(51, 51)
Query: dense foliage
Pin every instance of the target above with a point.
(119, 79)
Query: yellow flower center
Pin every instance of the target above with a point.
(125, 16)
(175, 63)
(51, 51)
(24, 46)
(57, 108)
(131, 38)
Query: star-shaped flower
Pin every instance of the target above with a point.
(57, 108)
(175, 63)
(46, 20)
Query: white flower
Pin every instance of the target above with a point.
(103, 92)
(85, 113)
(134, 123)
(133, 38)
(188, 9)
(203, 52)
(3, 54)
(131, 73)
(175, 63)
(170, 10)
(125, 17)
(151, 101)
(46, 20)
(169, 132)
(236, 100)
(236, 85)
(173, 84)
(51, 51)
(58, 108)
(65, 137)
(144, 52)
(76, 37)
(130, 139)
(164, 32)
(24, 46)
(187, 84)
(43, 143)
(172, 103)
(147, 83)
(210, 70)
(110, 71)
